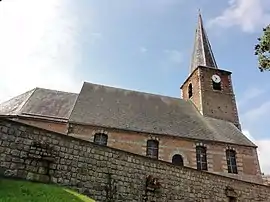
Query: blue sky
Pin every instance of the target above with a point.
(134, 44)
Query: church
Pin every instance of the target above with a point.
(200, 130)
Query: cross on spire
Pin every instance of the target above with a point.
(202, 52)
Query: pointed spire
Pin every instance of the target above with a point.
(202, 52)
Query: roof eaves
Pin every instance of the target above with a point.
(46, 118)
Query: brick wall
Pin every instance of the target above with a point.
(218, 104)
(212, 103)
(247, 161)
(59, 127)
(196, 98)
(105, 173)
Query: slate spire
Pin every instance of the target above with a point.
(202, 52)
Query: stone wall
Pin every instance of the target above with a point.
(266, 179)
(247, 161)
(108, 174)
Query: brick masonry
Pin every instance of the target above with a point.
(55, 126)
(247, 161)
(108, 174)
(212, 103)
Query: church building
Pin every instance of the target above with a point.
(201, 130)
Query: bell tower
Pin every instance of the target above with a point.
(208, 87)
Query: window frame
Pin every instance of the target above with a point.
(152, 149)
(201, 158)
(101, 139)
(231, 161)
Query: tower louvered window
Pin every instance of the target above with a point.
(201, 158)
(152, 149)
(190, 93)
(216, 86)
(101, 139)
(231, 161)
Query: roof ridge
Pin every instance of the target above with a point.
(24, 104)
(134, 91)
(21, 104)
(52, 90)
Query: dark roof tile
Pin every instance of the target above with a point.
(40, 102)
(143, 112)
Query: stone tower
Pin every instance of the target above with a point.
(207, 86)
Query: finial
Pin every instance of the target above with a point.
(202, 52)
(199, 12)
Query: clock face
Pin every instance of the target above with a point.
(216, 78)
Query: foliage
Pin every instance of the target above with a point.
(262, 50)
(14, 191)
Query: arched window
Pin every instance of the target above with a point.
(101, 139)
(216, 86)
(201, 158)
(177, 160)
(190, 93)
(231, 161)
(152, 149)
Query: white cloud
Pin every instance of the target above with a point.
(38, 47)
(174, 56)
(256, 120)
(263, 151)
(143, 49)
(250, 15)
(257, 113)
(250, 94)
(95, 36)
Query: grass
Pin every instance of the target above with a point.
(23, 191)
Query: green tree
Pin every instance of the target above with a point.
(262, 50)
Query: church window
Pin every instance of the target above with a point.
(201, 158)
(101, 139)
(178, 160)
(231, 161)
(216, 86)
(190, 90)
(152, 149)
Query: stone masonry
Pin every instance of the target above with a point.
(108, 174)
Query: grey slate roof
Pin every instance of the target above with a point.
(202, 51)
(142, 112)
(42, 103)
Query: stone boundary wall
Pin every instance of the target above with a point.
(107, 174)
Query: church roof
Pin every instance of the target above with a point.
(142, 112)
(40, 103)
(202, 51)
